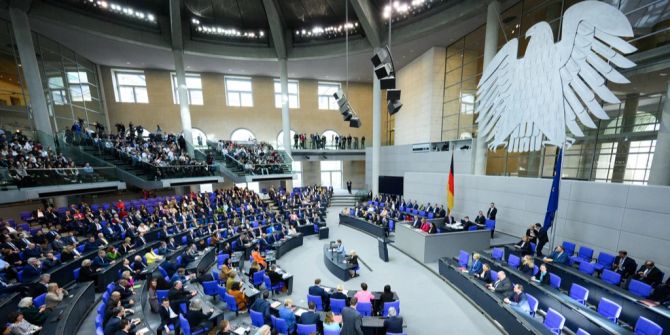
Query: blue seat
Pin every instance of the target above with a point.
(162, 271)
(336, 305)
(365, 308)
(494, 276)
(19, 276)
(490, 224)
(532, 303)
(644, 326)
(579, 293)
(587, 268)
(280, 325)
(316, 300)
(39, 300)
(306, 329)
(231, 303)
(105, 297)
(610, 277)
(221, 290)
(220, 259)
(473, 228)
(76, 273)
(639, 288)
(98, 320)
(257, 319)
(514, 261)
(186, 328)
(554, 281)
(161, 294)
(331, 332)
(101, 309)
(609, 309)
(463, 258)
(394, 304)
(569, 248)
(604, 261)
(585, 254)
(391, 225)
(268, 285)
(210, 288)
(396, 333)
(258, 278)
(497, 254)
(554, 321)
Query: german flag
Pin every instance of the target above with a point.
(450, 186)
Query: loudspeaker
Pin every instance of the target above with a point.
(393, 106)
(383, 71)
(387, 83)
(355, 122)
(381, 55)
(393, 94)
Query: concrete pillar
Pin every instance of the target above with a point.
(490, 49)
(660, 164)
(623, 146)
(182, 91)
(31, 73)
(376, 133)
(285, 115)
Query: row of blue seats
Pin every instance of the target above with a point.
(606, 307)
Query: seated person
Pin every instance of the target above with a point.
(541, 276)
(275, 277)
(50, 261)
(387, 295)
(503, 285)
(195, 316)
(318, 291)
(19, 326)
(527, 265)
(238, 294)
(181, 275)
(557, 256)
(226, 269)
(168, 317)
(485, 275)
(624, 265)
(152, 257)
(253, 268)
(32, 271)
(31, 313)
(524, 246)
(426, 226)
(179, 295)
(263, 306)
(466, 223)
(286, 313)
(311, 317)
(517, 300)
(87, 272)
(100, 261)
(339, 294)
(476, 266)
(54, 296)
(649, 274)
(257, 257)
(393, 323)
(329, 322)
(364, 295)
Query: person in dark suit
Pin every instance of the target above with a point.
(100, 261)
(492, 212)
(168, 317)
(480, 219)
(351, 319)
(524, 246)
(649, 274)
(542, 276)
(503, 285)
(338, 294)
(195, 316)
(317, 290)
(393, 324)
(518, 300)
(542, 239)
(311, 317)
(178, 295)
(114, 323)
(485, 275)
(387, 295)
(263, 306)
(624, 265)
(32, 271)
(87, 273)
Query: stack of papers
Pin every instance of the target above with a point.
(240, 331)
(299, 312)
(345, 292)
(275, 304)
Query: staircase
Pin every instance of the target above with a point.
(345, 200)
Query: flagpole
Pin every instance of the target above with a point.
(560, 179)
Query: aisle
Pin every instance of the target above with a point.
(429, 305)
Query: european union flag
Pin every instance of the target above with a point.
(552, 206)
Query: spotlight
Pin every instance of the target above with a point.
(355, 122)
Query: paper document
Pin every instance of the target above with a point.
(275, 304)
(240, 330)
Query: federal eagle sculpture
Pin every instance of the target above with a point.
(529, 102)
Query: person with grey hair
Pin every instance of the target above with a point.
(195, 316)
(40, 287)
(31, 313)
(393, 323)
(32, 271)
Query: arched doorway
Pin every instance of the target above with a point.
(199, 137)
(330, 138)
(242, 135)
(280, 138)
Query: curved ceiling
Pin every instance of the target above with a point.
(111, 40)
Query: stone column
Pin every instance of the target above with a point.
(660, 164)
(182, 91)
(285, 114)
(490, 49)
(376, 133)
(31, 72)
